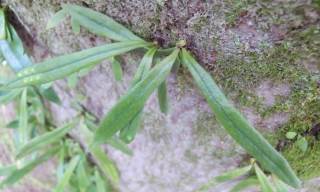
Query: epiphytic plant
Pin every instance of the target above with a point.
(123, 120)
(34, 130)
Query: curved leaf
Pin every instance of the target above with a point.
(67, 174)
(113, 141)
(163, 98)
(100, 183)
(82, 175)
(105, 164)
(132, 103)
(18, 174)
(244, 184)
(279, 185)
(56, 19)
(99, 23)
(3, 25)
(24, 131)
(227, 176)
(7, 170)
(116, 68)
(237, 126)
(127, 134)
(43, 140)
(62, 66)
(263, 180)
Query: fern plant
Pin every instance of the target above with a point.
(123, 120)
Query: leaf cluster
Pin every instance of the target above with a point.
(122, 122)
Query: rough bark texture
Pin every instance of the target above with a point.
(256, 51)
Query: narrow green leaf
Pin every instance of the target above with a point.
(244, 184)
(116, 68)
(227, 176)
(61, 165)
(127, 134)
(13, 124)
(176, 65)
(67, 175)
(3, 24)
(75, 26)
(100, 24)
(18, 174)
(279, 185)
(24, 132)
(265, 184)
(237, 126)
(51, 95)
(56, 19)
(132, 103)
(8, 96)
(113, 141)
(18, 48)
(105, 164)
(63, 66)
(144, 66)
(13, 51)
(100, 183)
(82, 176)
(73, 80)
(44, 140)
(7, 170)
(119, 145)
(163, 98)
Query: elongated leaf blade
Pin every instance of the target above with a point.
(279, 185)
(18, 174)
(100, 184)
(75, 26)
(163, 98)
(51, 95)
(119, 145)
(56, 19)
(105, 164)
(237, 126)
(116, 68)
(82, 176)
(263, 180)
(61, 164)
(23, 119)
(43, 140)
(62, 66)
(3, 25)
(67, 175)
(127, 134)
(144, 66)
(132, 103)
(244, 184)
(229, 175)
(8, 96)
(113, 141)
(13, 51)
(7, 170)
(100, 24)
